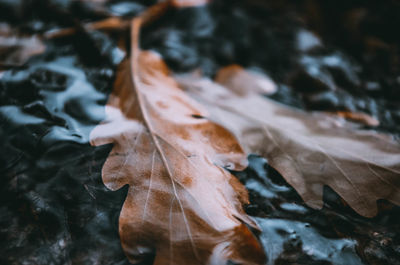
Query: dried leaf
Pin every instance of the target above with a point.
(180, 204)
(310, 150)
(236, 78)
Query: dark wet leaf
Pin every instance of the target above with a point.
(340, 56)
(309, 150)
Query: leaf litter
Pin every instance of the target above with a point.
(291, 251)
(310, 150)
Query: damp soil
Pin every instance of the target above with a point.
(324, 55)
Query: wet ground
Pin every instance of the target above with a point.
(333, 56)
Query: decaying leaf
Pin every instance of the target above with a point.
(236, 78)
(180, 204)
(310, 150)
(16, 50)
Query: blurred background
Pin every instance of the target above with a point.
(326, 55)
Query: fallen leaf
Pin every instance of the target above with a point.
(180, 203)
(310, 150)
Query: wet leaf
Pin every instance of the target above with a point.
(181, 206)
(310, 150)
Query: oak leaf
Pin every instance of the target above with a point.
(180, 203)
(310, 150)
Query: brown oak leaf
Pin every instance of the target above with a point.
(310, 150)
(180, 205)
